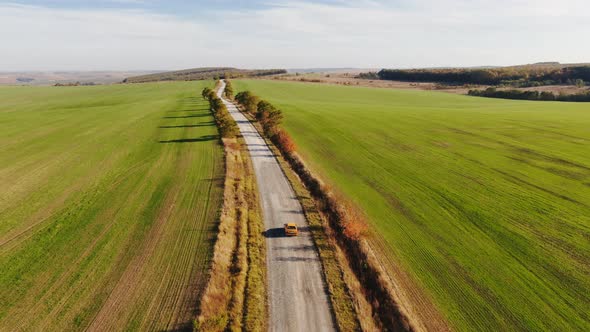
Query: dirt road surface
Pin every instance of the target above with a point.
(298, 298)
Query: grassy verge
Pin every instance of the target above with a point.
(255, 307)
(235, 297)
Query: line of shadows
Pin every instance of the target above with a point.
(259, 150)
(192, 140)
(263, 156)
(293, 212)
(296, 248)
(296, 259)
(187, 116)
(193, 108)
(206, 124)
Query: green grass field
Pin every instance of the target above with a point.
(108, 202)
(485, 202)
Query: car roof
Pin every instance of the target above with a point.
(291, 224)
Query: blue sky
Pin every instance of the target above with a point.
(174, 34)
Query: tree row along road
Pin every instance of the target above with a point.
(298, 298)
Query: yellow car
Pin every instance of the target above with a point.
(291, 229)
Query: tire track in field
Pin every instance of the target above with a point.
(132, 278)
(175, 303)
(168, 270)
(59, 284)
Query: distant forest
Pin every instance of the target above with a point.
(204, 74)
(530, 95)
(518, 76)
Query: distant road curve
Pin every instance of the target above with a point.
(298, 297)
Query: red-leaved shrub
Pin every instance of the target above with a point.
(285, 142)
(351, 219)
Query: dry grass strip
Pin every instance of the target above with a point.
(235, 297)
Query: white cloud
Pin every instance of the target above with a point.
(299, 34)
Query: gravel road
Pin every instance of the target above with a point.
(298, 298)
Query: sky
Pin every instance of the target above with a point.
(38, 35)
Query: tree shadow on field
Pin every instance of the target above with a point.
(205, 124)
(188, 109)
(187, 116)
(183, 327)
(192, 140)
(217, 182)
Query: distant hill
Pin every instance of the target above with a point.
(66, 77)
(203, 74)
(325, 70)
(549, 65)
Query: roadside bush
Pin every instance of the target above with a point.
(208, 94)
(263, 106)
(216, 104)
(227, 126)
(284, 142)
(205, 93)
(352, 221)
(228, 92)
(267, 114)
(269, 117)
(248, 100)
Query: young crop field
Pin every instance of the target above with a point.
(109, 197)
(484, 203)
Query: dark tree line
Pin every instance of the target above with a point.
(509, 76)
(530, 95)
